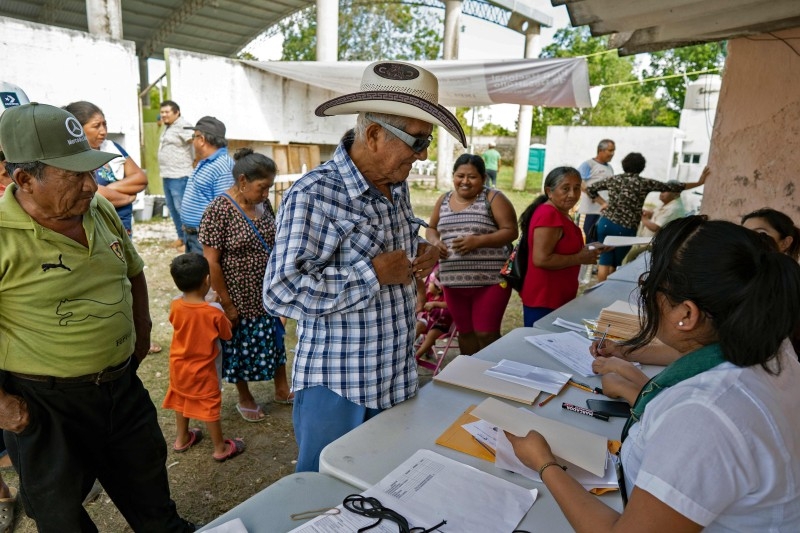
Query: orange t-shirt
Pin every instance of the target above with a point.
(194, 348)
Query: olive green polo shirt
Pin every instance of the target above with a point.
(65, 310)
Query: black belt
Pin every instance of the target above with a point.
(107, 374)
(190, 230)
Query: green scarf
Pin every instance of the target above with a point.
(689, 365)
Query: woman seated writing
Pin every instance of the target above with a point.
(713, 440)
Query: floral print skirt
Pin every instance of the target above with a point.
(255, 351)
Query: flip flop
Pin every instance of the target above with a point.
(289, 400)
(154, 348)
(236, 446)
(244, 410)
(7, 506)
(195, 436)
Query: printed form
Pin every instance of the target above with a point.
(428, 488)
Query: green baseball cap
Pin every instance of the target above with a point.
(51, 135)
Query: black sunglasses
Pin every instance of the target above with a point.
(416, 143)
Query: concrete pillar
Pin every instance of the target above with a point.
(144, 80)
(444, 153)
(104, 17)
(532, 50)
(327, 30)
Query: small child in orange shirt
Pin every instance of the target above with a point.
(194, 390)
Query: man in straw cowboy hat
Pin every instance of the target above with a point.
(74, 324)
(347, 255)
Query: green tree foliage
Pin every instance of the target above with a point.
(672, 91)
(656, 103)
(368, 31)
(615, 106)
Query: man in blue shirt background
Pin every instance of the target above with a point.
(211, 177)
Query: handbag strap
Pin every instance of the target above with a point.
(267, 247)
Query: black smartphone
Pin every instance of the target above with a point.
(610, 408)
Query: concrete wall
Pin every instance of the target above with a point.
(253, 104)
(57, 66)
(754, 146)
(572, 145)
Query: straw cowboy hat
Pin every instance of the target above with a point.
(397, 88)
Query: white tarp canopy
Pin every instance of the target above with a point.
(540, 82)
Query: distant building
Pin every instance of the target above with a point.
(671, 153)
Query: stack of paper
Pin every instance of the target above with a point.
(621, 318)
(468, 372)
(579, 447)
(549, 381)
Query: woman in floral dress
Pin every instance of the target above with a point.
(237, 232)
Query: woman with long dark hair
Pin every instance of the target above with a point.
(713, 440)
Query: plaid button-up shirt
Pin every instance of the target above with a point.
(355, 337)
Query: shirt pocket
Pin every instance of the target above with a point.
(362, 237)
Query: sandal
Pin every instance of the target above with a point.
(7, 506)
(289, 400)
(154, 348)
(235, 447)
(195, 436)
(245, 411)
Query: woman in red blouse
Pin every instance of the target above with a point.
(556, 244)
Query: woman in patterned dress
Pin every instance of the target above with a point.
(237, 232)
(473, 227)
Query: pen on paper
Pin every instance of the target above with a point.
(484, 445)
(601, 344)
(581, 386)
(544, 402)
(584, 411)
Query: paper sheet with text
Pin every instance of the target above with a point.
(428, 488)
(569, 349)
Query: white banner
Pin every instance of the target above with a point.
(539, 82)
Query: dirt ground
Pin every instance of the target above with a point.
(202, 488)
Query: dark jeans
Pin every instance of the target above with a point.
(81, 432)
(173, 195)
(588, 222)
(492, 175)
(190, 241)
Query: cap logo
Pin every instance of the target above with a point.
(10, 100)
(396, 71)
(74, 127)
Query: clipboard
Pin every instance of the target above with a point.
(457, 438)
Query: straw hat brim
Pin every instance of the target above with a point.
(394, 103)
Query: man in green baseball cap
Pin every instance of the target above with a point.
(74, 323)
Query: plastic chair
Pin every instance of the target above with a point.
(439, 350)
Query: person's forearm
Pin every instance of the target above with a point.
(117, 198)
(498, 239)
(142, 323)
(583, 510)
(127, 186)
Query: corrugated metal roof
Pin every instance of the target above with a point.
(650, 25)
(218, 27)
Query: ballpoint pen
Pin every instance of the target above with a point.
(603, 338)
